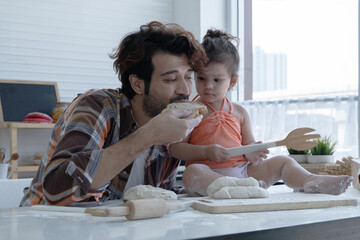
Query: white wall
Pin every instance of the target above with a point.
(187, 14)
(68, 41)
(198, 16)
(213, 15)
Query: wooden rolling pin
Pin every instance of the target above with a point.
(132, 209)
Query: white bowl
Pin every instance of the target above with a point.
(300, 158)
(321, 159)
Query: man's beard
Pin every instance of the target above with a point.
(153, 106)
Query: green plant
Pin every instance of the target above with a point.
(325, 146)
(296, 152)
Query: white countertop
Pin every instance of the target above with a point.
(23, 223)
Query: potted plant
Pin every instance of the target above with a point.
(323, 152)
(299, 156)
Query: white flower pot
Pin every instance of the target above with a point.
(321, 159)
(300, 158)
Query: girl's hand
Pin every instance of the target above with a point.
(216, 153)
(255, 157)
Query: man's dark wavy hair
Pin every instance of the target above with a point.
(135, 52)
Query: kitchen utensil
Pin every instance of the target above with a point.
(132, 209)
(6, 170)
(296, 139)
(2, 154)
(13, 156)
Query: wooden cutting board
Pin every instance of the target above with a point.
(275, 201)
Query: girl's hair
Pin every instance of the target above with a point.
(219, 48)
(135, 52)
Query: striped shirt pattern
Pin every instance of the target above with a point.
(94, 121)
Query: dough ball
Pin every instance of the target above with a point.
(230, 182)
(241, 192)
(148, 191)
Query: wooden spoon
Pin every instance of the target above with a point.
(296, 139)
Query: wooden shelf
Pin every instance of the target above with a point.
(26, 125)
(13, 127)
(26, 168)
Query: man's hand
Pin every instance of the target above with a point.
(171, 126)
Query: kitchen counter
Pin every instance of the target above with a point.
(325, 223)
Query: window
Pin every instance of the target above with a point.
(303, 69)
(304, 47)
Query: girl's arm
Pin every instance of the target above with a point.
(244, 118)
(247, 135)
(189, 152)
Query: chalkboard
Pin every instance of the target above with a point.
(18, 98)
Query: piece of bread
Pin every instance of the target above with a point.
(196, 107)
(148, 191)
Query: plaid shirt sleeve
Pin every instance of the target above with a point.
(89, 125)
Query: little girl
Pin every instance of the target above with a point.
(228, 125)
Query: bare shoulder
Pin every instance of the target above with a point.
(239, 112)
(238, 108)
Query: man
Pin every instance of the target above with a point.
(110, 140)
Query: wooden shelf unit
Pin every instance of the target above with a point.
(13, 134)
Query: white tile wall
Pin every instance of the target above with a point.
(68, 41)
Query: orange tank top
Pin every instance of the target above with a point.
(220, 128)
